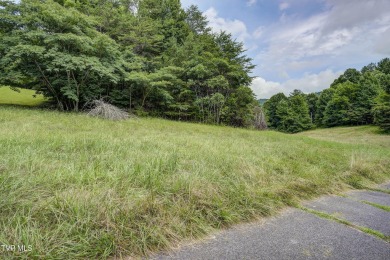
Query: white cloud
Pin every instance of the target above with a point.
(303, 65)
(305, 49)
(236, 27)
(352, 13)
(251, 2)
(383, 43)
(308, 83)
(283, 6)
(258, 32)
(346, 33)
(312, 82)
(265, 89)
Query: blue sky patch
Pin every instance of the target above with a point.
(303, 44)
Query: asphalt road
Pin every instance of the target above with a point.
(297, 234)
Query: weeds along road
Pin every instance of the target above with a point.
(355, 225)
(134, 187)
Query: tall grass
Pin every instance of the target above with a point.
(78, 187)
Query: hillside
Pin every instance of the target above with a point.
(87, 188)
(25, 97)
(262, 101)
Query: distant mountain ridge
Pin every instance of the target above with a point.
(262, 100)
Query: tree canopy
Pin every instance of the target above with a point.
(354, 98)
(152, 57)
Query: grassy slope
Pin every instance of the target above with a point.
(363, 135)
(24, 97)
(82, 187)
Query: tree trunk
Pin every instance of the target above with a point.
(130, 90)
(49, 86)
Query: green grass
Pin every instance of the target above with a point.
(378, 190)
(78, 187)
(361, 134)
(379, 206)
(347, 223)
(25, 97)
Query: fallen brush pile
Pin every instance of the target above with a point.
(107, 111)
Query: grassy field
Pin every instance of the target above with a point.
(78, 187)
(350, 135)
(25, 97)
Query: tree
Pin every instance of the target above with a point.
(312, 100)
(351, 75)
(296, 118)
(270, 107)
(339, 106)
(289, 114)
(352, 103)
(170, 17)
(381, 108)
(354, 98)
(336, 112)
(235, 65)
(384, 66)
(58, 52)
(149, 56)
(366, 91)
(197, 21)
(285, 116)
(381, 111)
(322, 102)
(369, 68)
(238, 107)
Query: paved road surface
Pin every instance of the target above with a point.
(297, 234)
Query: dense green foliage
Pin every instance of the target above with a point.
(149, 56)
(290, 114)
(354, 98)
(76, 187)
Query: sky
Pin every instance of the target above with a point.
(302, 44)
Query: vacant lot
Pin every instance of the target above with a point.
(25, 97)
(78, 187)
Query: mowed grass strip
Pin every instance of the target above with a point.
(362, 135)
(79, 187)
(25, 97)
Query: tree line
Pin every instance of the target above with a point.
(151, 57)
(354, 98)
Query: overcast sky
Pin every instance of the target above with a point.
(302, 44)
